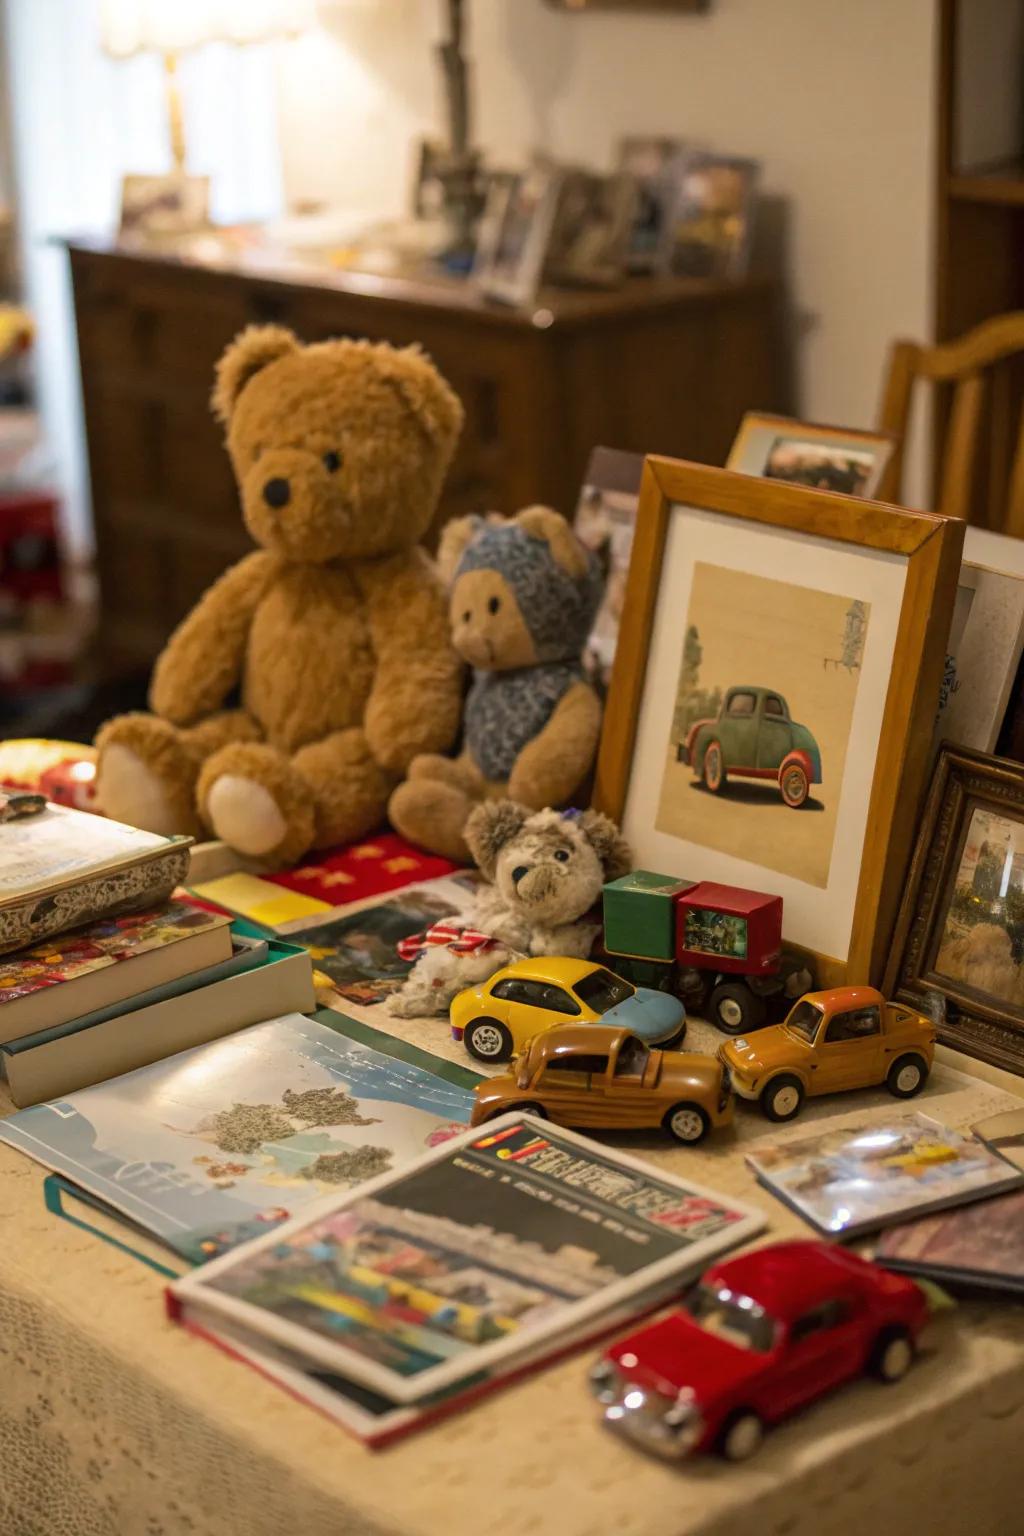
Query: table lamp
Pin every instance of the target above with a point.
(170, 27)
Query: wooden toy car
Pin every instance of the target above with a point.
(849, 1037)
(717, 947)
(606, 1079)
(495, 1019)
(757, 1338)
(754, 737)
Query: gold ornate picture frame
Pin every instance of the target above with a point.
(959, 938)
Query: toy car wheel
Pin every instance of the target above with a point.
(906, 1076)
(687, 1123)
(735, 1009)
(713, 767)
(782, 1098)
(742, 1435)
(536, 1110)
(893, 1355)
(794, 785)
(488, 1040)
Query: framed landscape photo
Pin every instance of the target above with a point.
(958, 949)
(770, 714)
(829, 458)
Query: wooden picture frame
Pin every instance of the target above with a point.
(969, 790)
(916, 553)
(761, 435)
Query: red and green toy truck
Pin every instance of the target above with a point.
(717, 947)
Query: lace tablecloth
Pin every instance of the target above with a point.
(113, 1422)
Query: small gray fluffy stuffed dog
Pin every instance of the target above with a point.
(546, 870)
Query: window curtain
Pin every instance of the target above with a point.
(80, 121)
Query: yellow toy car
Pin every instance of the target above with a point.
(495, 1019)
(849, 1037)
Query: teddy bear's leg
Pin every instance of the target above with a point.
(147, 768)
(432, 814)
(461, 771)
(250, 795)
(349, 788)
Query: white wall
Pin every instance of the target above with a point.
(835, 98)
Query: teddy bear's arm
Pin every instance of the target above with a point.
(552, 766)
(416, 700)
(202, 661)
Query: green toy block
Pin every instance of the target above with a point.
(640, 915)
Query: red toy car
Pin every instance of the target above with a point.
(757, 1338)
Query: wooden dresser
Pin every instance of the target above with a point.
(660, 365)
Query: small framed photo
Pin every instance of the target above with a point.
(604, 522)
(164, 205)
(773, 695)
(515, 234)
(958, 949)
(986, 642)
(714, 217)
(656, 166)
(592, 229)
(838, 459)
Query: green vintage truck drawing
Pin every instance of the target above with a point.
(754, 737)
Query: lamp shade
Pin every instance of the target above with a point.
(128, 27)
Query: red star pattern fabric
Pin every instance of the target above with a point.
(372, 867)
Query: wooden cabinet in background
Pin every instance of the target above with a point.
(660, 365)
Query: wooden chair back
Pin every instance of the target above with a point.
(978, 383)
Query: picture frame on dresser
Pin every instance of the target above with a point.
(956, 951)
(774, 688)
(842, 459)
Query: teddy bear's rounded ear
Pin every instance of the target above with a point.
(490, 827)
(607, 842)
(547, 524)
(430, 398)
(252, 349)
(456, 537)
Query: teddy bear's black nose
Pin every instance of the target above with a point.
(518, 873)
(277, 492)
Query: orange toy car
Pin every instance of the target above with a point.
(849, 1037)
(599, 1078)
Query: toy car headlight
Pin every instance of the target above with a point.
(605, 1380)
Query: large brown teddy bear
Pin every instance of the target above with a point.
(334, 630)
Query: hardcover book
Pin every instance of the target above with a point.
(211, 1146)
(106, 962)
(853, 1179)
(504, 1241)
(62, 867)
(979, 1245)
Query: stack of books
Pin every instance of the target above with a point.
(127, 973)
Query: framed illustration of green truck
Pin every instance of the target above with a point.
(754, 736)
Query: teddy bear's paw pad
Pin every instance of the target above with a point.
(245, 815)
(130, 791)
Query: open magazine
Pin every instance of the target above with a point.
(493, 1251)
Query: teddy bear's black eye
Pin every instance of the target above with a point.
(562, 855)
(332, 461)
(493, 605)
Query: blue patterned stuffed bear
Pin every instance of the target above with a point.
(523, 598)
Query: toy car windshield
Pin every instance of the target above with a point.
(737, 1319)
(601, 990)
(632, 1059)
(804, 1019)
